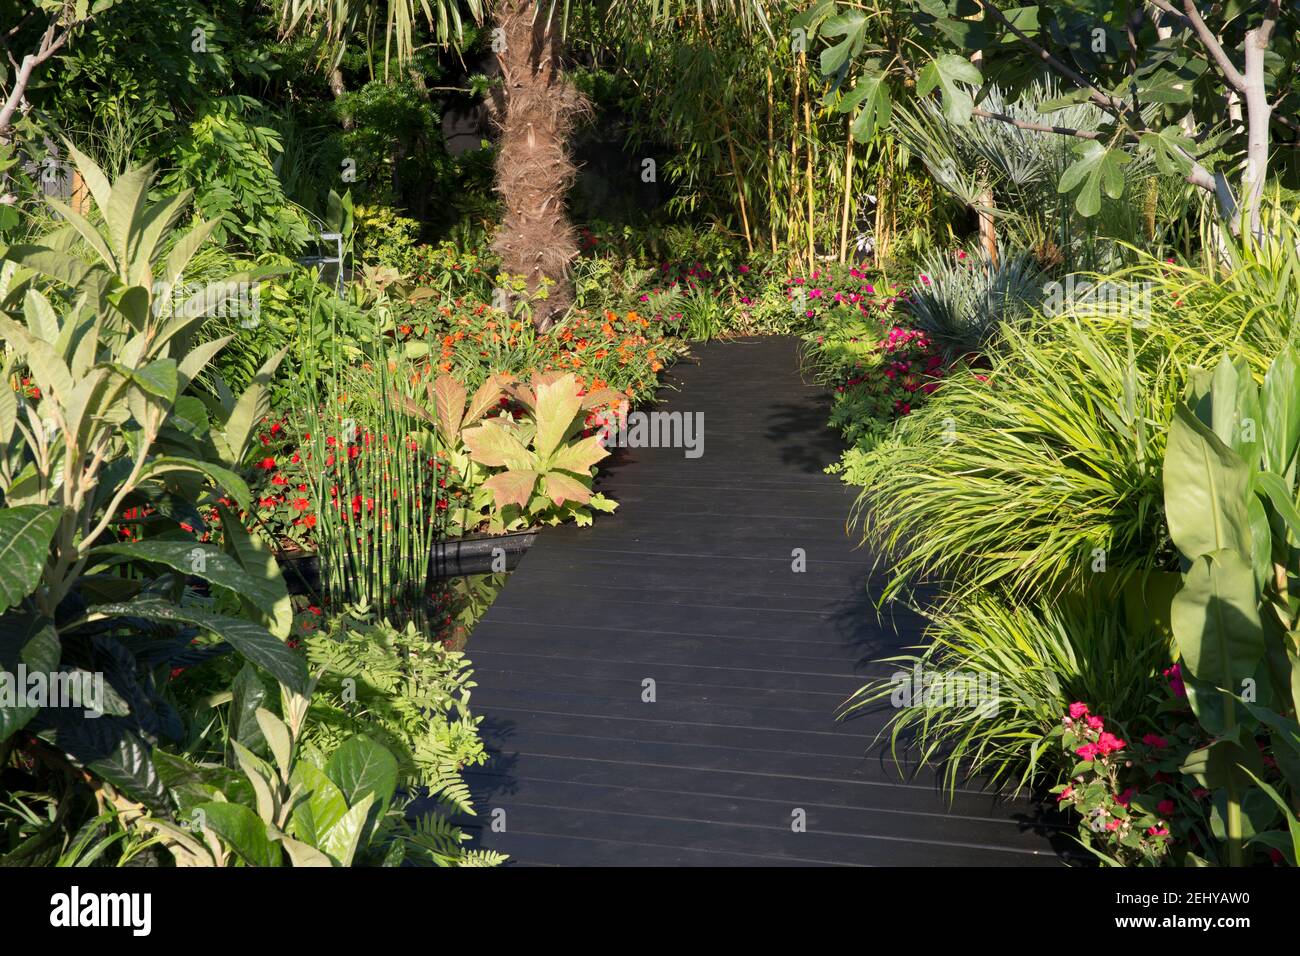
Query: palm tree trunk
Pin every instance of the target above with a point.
(536, 110)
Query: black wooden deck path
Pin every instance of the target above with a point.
(690, 584)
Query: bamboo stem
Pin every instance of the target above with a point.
(848, 191)
(793, 207)
(808, 161)
(771, 162)
(740, 183)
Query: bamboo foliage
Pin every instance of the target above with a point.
(757, 145)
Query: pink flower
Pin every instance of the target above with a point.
(1078, 709)
(1095, 723)
(1154, 740)
(1175, 676)
(1109, 743)
(1165, 808)
(1157, 831)
(1113, 825)
(1065, 794)
(1125, 798)
(1087, 752)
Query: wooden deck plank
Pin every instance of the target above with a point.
(690, 584)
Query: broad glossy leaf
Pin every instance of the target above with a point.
(362, 767)
(1280, 411)
(341, 841)
(253, 641)
(323, 807)
(243, 831)
(1205, 484)
(947, 73)
(204, 561)
(33, 643)
(1215, 620)
(25, 535)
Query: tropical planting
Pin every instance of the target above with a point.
(303, 304)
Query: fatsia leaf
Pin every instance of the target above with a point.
(947, 73)
(25, 535)
(1096, 169)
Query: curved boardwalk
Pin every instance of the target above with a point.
(690, 585)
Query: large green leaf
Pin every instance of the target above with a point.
(341, 841)
(851, 25)
(242, 830)
(25, 535)
(33, 643)
(1280, 398)
(361, 767)
(1215, 620)
(947, 72)
(323, 807)
(1206, 485)
(253, 641)
(204, 561)
(257, 559)
(1096, 169)
(871, 94)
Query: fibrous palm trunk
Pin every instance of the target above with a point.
(535, 110)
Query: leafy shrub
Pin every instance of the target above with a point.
(1037, 659)
(397, 687)
(1024, 479)
(227, 158)
(111, 421)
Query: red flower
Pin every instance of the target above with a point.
(268, 464)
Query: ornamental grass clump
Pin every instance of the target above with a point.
(1044, 471)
